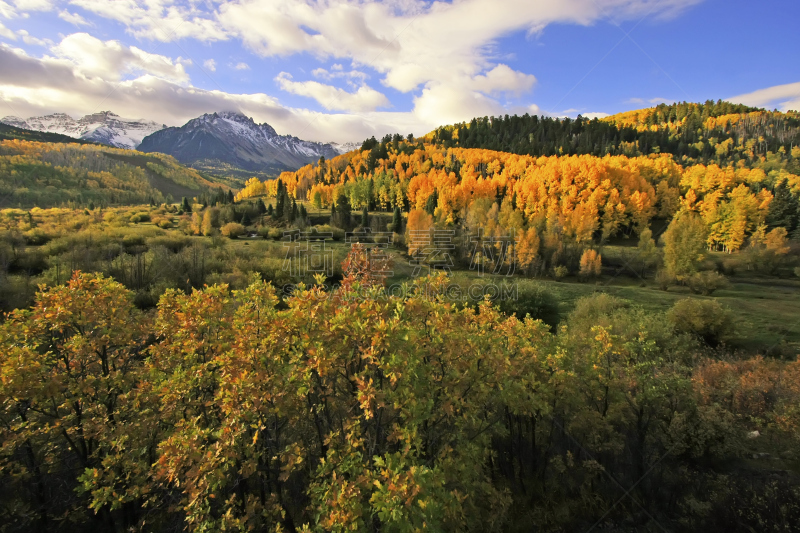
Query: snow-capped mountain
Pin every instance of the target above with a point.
(343, 148)
(104, 127)
(232, 139)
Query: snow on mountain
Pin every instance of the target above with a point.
(343, 148)
(104, 127)
(233, 139)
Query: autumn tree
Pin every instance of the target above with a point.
(646, 251)
(590, 264)
(684, 245)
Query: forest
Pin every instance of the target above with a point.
(49, 174)
(579, 333)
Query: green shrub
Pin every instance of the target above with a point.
(560, 272)
(532, 299)
(706, 282)
(664, 279)
(707, 319)
(140, 217)
(36, 237)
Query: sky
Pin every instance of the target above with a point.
(343, 70)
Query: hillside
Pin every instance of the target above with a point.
(713, 132)
(54, 174)
(8, 132)
(566, 202)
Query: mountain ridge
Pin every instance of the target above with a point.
(234, 139)
(104, 127)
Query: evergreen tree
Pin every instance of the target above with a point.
(397, 221)
(370, 193)
(343, 214)
(261, 207)
(246, 219)
(303, 213)
(365, 217)
(430, 205)
(333, 215)
(186, 207)
(270, 210)
(280, 200)
(293, 213)
(230, 197)
(784, 208)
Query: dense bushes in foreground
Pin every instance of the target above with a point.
(352, 410)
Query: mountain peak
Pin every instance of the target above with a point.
(104, 127)
(232, 138)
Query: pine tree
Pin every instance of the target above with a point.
(784, 208)
(280, 201)
(185, 205)
(430, 205)
(365, 218)
(343, 212)
(293, 213)
(270, 210)
(370, 193)
(397, 221)
(260, 206)
(246, 219)
(303, 213)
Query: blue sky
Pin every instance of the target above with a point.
(341, 70)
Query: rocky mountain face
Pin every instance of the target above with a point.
(232, 140)
(104, 127)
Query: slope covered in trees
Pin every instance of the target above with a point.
(552, 207)
(714, 132)
(54, 174)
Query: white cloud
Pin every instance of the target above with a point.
(339, 73)
(415, 42)
(8, 34)
(241, 66)
(592, 115)
(38, 86)
(110, 60)
(443, 51)
(6, 10)
(160, 20)
(30, 39)
(445, 104)
(503, 78)
(333, 98)
(73, 18)
(34, 5)
(210, 64)
(785, 97)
